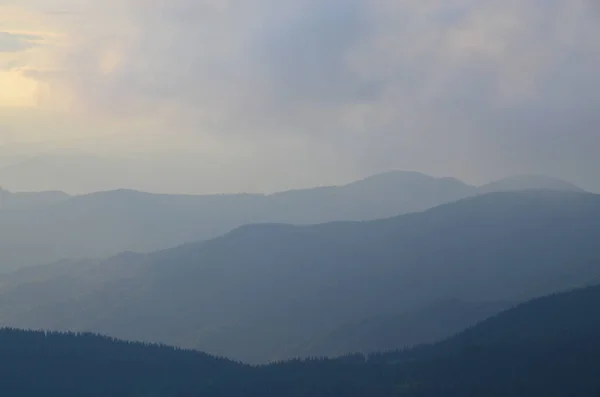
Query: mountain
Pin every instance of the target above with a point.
(545, 347)
(427, 324)
(266, 292)
(53, 364)
(106, 223)
(379, 196)
(16, 201)
(528, 182)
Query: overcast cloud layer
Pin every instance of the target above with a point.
(265, 95)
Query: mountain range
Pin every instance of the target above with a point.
(545, 347)
(37, 228)
(274, 291)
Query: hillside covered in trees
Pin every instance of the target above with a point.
(545, 347)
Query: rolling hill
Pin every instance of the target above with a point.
(271, 291)
(545, 347)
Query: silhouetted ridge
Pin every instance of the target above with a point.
(546, 347)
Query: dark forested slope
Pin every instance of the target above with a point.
(546, 347)
(53, 364)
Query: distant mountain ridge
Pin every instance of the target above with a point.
(528, 182)
(49, 226)
(268, 292)
(18, 201)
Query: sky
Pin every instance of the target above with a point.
(202, 96)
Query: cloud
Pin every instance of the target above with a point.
(16, 42)
(11, 65)
(465, 87)
(205, 52)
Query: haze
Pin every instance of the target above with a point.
(308, 198)
(198, 96)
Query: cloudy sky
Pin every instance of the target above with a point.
(260, 95)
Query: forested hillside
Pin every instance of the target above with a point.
(546, 347)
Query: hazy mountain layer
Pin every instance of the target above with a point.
(45, 227)
(268, 292)
(427, 324)
(19, 201)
